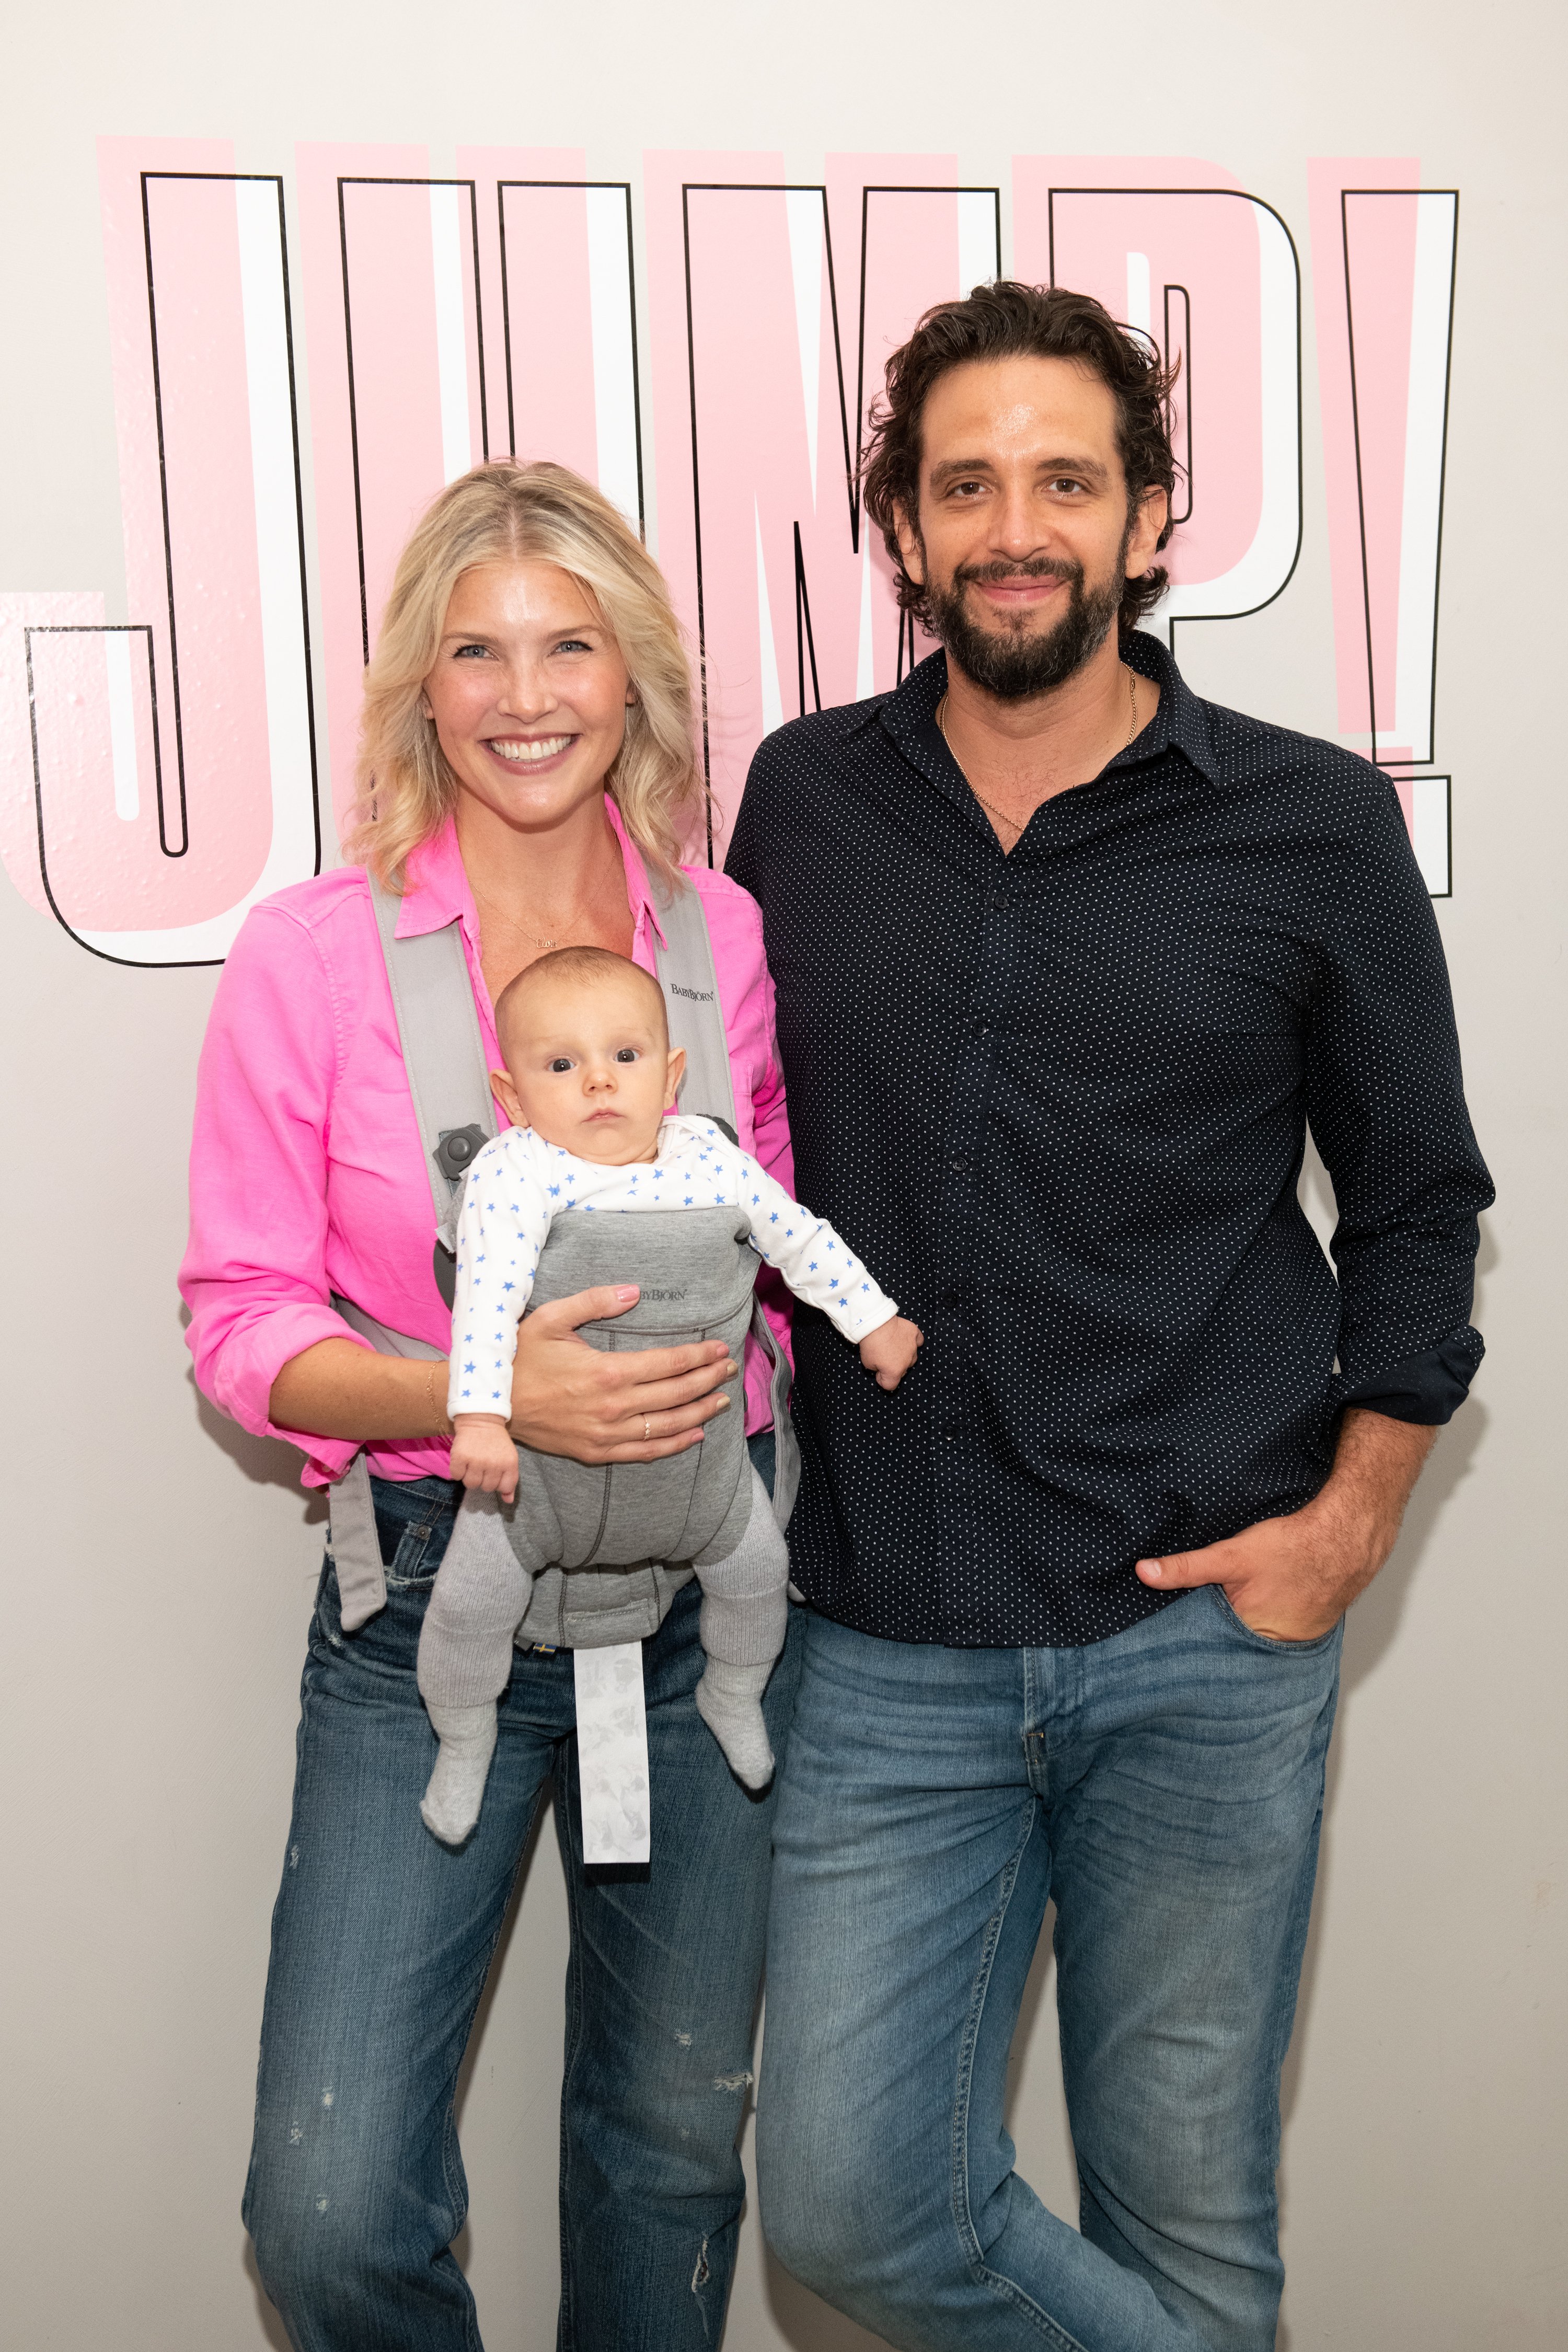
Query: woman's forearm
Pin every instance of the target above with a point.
(566, 1398)
(338, 1389)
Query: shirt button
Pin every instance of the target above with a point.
(959, 1165)
(982, 1028)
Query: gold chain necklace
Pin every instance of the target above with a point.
(544, 945)
(990, 807)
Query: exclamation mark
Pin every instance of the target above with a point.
(1383, 262)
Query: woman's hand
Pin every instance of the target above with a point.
(631, 1406)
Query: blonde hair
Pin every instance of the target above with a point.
(544, 514)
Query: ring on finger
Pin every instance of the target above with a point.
(647, 1430)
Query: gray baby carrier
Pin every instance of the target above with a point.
(697, 1272)
(620, 1539)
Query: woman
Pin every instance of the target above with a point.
(526, 766)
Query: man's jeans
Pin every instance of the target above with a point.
(1165, 1787)
(381, 1941)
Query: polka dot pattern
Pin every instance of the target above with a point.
(1058, 1100)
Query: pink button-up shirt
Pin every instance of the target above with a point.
(306, 1168)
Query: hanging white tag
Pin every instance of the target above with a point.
(612, 1753)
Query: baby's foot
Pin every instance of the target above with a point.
(450, 1806)
(729, 1700)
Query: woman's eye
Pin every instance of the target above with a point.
(574, 645)
(463, 652)
(626, 1054)
(561, 1063)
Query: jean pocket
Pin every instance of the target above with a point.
(413, 1524)
(409, 1564)
(1239, 1625)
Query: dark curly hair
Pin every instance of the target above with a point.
(1010, 320)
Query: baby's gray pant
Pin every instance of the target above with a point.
(482, 1588)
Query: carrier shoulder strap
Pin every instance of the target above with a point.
(443, 1052)
(684, 963)
(444, 1062)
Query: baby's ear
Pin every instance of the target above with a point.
(675, 1072)
(506, 1094)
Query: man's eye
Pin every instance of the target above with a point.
(1065, 482)
(561, 1062)
(626, 1054)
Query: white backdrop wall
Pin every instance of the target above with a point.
(159, 1566)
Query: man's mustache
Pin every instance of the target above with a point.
(1042, 567)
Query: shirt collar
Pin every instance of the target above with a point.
(437, 890)
(640, 895)
(1181, 722)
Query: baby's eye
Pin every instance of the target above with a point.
(561, 1062)
(626, 1054)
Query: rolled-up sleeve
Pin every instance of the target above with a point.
(1386, 1105)
(253, 1272)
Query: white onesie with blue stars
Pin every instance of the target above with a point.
(520, 1185)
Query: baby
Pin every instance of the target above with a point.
(589, 1084)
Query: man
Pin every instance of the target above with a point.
(1066, 960)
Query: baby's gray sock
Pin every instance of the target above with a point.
(450, 1805)
(477, 1604)
(744, 1614)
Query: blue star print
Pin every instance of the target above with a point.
(517, 1236)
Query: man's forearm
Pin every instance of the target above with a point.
(1376, 1464)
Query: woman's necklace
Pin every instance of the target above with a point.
(505, 916)
(990, 807)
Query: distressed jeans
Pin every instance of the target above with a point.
(381, 1941)
(1165, 1787)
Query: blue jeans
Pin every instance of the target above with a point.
(1165, 1787)
(381, 1942)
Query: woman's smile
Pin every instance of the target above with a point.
(534, 751)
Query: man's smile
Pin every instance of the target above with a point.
(1021, 595)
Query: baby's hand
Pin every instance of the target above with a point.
(483, 1455)
(890, 1349)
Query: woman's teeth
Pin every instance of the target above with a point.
(526, 750)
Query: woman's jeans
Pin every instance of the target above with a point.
(381, 1941)
(1165, 1787)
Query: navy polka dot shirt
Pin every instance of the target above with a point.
(1058, 1100)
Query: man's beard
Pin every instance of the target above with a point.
(1014, 663)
